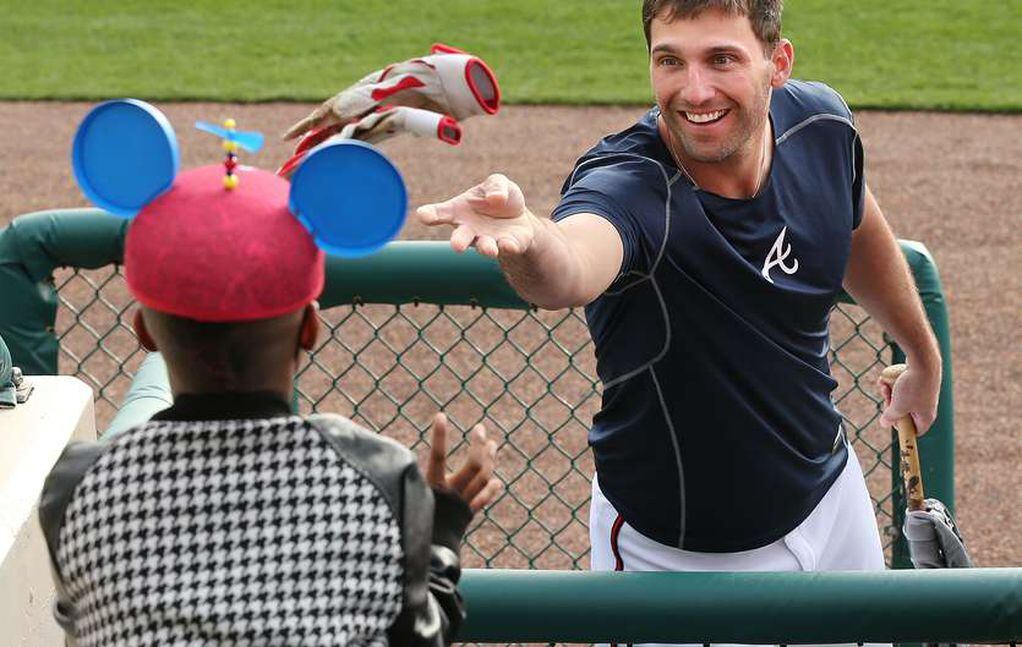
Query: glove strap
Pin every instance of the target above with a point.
(449, 131)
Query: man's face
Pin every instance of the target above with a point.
(712, 81)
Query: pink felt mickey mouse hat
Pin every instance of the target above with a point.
(227, 242)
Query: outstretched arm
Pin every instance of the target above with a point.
(879, 280)
(553, 265)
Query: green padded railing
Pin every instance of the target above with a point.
(938, 606)
(416, 328)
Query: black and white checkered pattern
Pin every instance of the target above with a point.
(245, 532)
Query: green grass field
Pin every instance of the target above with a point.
(933, 54)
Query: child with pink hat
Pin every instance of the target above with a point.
(227, 519)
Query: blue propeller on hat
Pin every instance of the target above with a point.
(250, 140)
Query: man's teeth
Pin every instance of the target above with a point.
(704, 117)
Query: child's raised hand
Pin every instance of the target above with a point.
(474, 482)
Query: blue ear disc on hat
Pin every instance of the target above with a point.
(350, 197)
(124, 156)
(346, 193)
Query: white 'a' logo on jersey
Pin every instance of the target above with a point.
(778, 254)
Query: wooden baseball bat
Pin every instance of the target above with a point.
(911, 473)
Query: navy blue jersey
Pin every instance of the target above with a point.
(717, 431)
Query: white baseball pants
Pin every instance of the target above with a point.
(840, 534)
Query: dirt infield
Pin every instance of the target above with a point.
(951, 181)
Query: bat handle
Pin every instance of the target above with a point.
(911, 473)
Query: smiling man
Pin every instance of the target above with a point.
(709, 243)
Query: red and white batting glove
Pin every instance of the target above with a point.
(393, 120)
(378, 126)
(450, 83)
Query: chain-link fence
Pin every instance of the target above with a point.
(529, 376)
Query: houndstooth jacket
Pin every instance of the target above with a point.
(226, 521)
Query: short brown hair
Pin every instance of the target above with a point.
(765, 15)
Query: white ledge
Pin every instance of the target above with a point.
(32, 437)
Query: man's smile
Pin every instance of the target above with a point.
(702, 118)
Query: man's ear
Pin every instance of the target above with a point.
(309, 332)
(145, 340)
(783, 58)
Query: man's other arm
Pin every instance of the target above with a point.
(879, 280)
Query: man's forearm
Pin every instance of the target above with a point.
(547, 274)
(889, 295)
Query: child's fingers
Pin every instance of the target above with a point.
(481, 478)
(435, 468)
(479, 445)
(474, 462)
(487, 496)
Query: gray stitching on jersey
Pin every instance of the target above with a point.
(855, 173)
(667, 342)
(811, 120)
(611, 155)
(642, 278)
(843, 102)
(669, 182)
(663, 243)
(677, 457)
(667, 219)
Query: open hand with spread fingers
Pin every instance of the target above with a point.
(475, 482)
(490, 216)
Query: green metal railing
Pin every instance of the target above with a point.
(417, 328)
